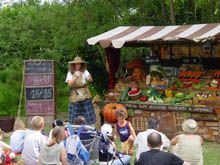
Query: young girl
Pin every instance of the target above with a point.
(54, 152)
(80, 97)
(125, 132)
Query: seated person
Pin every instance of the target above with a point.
(17, 137)
(3, 148)
(188, 146)
(33, 142)
(54, 152)
(57, 122)
(107, 149)
(141, 142)
(157, 157)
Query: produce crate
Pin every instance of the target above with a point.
(170, 122)
(208, 126)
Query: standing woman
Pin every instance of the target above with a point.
(80, 97)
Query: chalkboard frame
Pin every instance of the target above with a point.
(38, 61)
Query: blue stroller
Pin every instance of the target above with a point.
(82, 145)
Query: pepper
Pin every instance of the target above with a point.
(143, 98)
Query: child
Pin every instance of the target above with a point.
(57, 122)
(80, 120)
(188, 145)
(17, 137)
(125, 132)
(33, 142)
(3, 148)
(54, 152)
(108, 153)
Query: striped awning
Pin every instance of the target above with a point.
(147, 34)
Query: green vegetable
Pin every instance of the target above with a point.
(124, 94)
(188, 97)
(179, 95)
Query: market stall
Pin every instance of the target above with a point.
(178, 78)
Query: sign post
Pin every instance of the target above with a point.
(40, 89)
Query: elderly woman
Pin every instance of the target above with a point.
(80, 97)
(188, 145)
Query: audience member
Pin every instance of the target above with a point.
(57, 122)
(3, 147)
(157, 157)
(188, 145)
(125, 132)
(108, 153)
(53, 152)
(141, 139)
(18, 136)
(80, 120)
(33, 142)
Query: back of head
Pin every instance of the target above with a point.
(58, 134)
(154, 140)
(19, 124)
(37, 123)
(121, 113)
(80, 120)
(57, 122)
(153, 123)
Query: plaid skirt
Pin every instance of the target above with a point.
(82, 108)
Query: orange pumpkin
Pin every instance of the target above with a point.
(109, 111)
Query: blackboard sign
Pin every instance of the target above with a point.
(152, 60)
(40, 108)
(39, 93)
(38, 66)
(39, 80)
(190, 60)
(39, 87)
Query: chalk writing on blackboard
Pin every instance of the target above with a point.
(152, 60)
(39, 80)
(40, 107)
(39, 66)
(39, 93)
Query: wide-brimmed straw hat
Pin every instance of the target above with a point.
(189, 126)
(77, 60)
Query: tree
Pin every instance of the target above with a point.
(172, 13)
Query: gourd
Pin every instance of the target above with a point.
(109, 111)
(168, 93)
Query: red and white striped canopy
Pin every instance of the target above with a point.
(129, 34)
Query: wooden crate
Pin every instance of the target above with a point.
(169, 121)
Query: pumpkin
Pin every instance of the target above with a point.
(109, 111)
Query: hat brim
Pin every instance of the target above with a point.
(187, 130)
(77, 62)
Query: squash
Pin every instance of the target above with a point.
(168, 92)
(109, 111)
